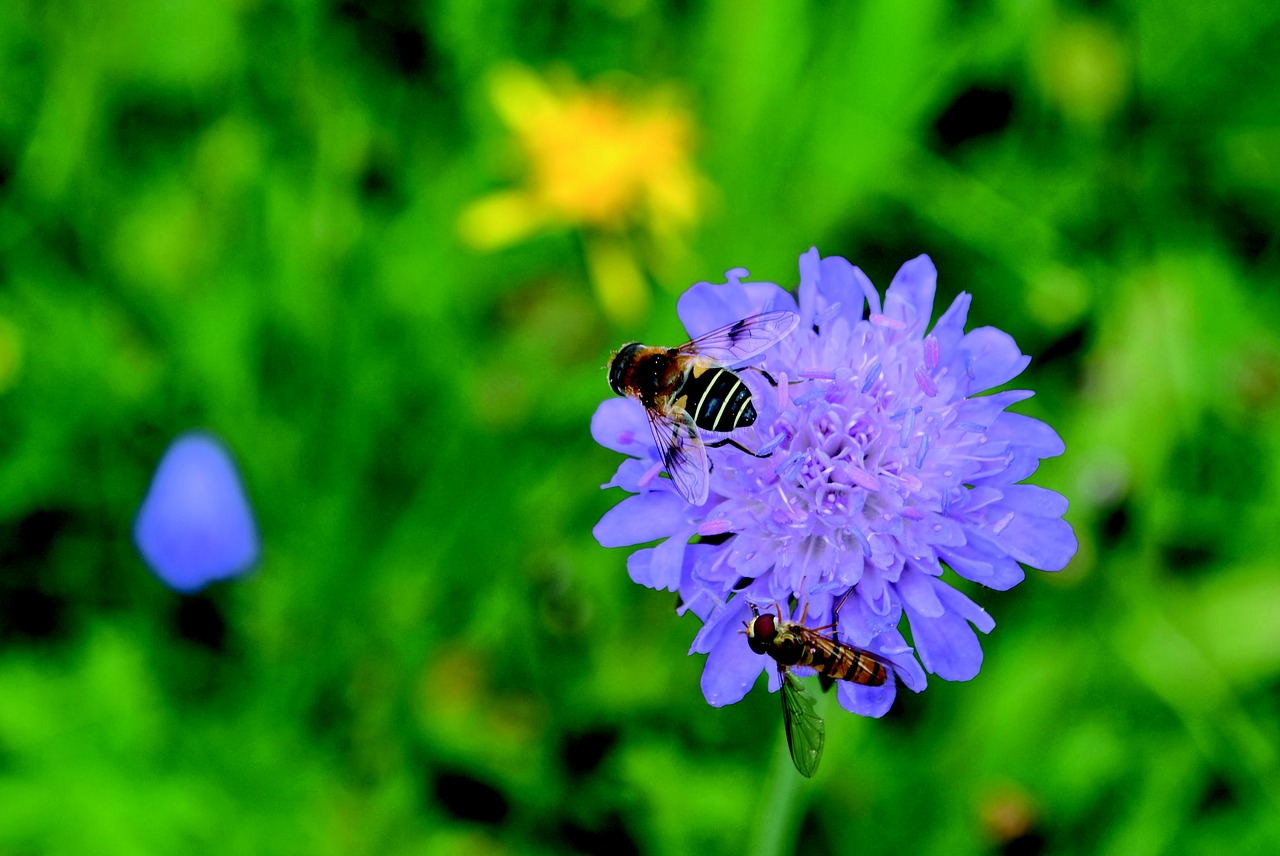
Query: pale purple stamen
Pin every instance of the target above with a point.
(872, 375)
(774, 442)
(926, 384)
(649, 475)
(971, 427)
(811, 395)
(885, 321)
(863, 479)
(924, 450)
(931, 353)
(715, 527)
(788, 468)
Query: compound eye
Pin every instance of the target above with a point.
(619, 366)
(760, 633)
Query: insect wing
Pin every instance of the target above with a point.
(805, 730)
(743, 339)
(683, 454)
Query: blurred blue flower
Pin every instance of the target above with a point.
(195, 525)
(886, 465)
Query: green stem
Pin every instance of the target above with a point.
(780, 818)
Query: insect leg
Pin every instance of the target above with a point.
(769, 377)
(729, 441)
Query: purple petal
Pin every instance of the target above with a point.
(1028, 440)
(947, 645)
(868, 289)
(706, 307)
(1035, 500)
(620, 424)
(642, 518)
(989, 357)
(866, 701)
(732, 669)
(195, 525)
(835, 281)
(1044, 543)
(996, 572)
(949, 330)
(916, 589)
(984, 410)
(660, 567)
(1032, 434)
(910, 295)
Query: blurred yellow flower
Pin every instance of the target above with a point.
(598, 163)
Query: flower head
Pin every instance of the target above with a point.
(195, 525)
(597, 162)
(885, 464)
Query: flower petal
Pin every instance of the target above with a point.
(989, 357)
(705, 307)
(620, 424)
(660, 567)
(1044, 543)
(910, 295)
(866, 701)
(950, 327)
(996, 572)
(947, 645)
(831, 282)
(195, 524)
(642, 518)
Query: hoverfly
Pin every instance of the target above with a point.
(688, 389)
(791, 643)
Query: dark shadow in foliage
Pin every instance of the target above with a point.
(813, 835)
(1030, 843)
(148, 128)
(907, 710)
(390, 32)
(584, 751)
(28, 613)
(467, 798)
(7, 160)
(979, 111)
(198, 618)
(1248, 225)
(608, 838)
(1218, 796)
(1116, 525)
(1066, 348)
(28, 609)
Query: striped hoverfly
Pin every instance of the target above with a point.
(792, 643)
(689, 389)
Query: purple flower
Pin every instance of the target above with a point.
(887, 465)
(195, 525)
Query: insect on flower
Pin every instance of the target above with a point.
(690, 389)
(792, 643)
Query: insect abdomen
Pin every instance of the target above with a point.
(718, 400)
(849, 664)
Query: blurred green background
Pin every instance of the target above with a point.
(384, 250)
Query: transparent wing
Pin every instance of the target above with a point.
(743, 339)
(683, 454)
(805, 730)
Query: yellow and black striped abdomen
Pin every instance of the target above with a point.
(717, 399)
(842, 662)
